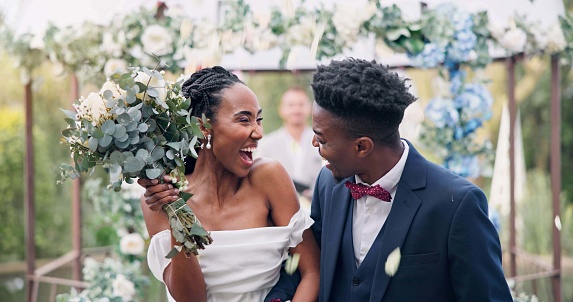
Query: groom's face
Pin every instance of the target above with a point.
(332, 142)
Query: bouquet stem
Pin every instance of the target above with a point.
(186, 229)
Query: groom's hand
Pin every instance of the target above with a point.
(156, 195)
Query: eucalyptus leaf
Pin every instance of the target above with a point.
(68, 132)
(70, 122)
(131, 126)
(157, 153)
(122, 144)
(92, 144)
(123, 138)
(116, 157)
(69, 113)
(169, 154)
(108, 127)
(133, 164)
(142, 127)
(185, 195)
(170, 255)
(198, 230)
(114, 172)
(152, 92)
(175, 145)
(142, 154)
(119, 131)
(152, 173)
(97, 133)
(130, 98)
(105, 141)
(108, 95)
(124, 119)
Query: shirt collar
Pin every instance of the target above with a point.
(390, 180)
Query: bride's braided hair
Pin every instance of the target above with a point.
(204, 88)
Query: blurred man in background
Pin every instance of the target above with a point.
(291, 144)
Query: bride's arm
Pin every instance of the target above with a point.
(283, 204)
(182, 276)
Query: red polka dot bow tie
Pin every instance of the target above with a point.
(359, 190)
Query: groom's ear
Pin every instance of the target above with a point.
(364, 146)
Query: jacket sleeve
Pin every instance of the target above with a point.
(474, 253)
(285, 288)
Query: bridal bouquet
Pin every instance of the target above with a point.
(139, 125)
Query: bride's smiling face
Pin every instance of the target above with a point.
(236, 129)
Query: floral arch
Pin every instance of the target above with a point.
(445, 37)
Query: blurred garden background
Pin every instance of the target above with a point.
(105, 212)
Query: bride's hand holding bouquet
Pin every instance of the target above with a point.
(139, 125)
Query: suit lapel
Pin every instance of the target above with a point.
(404, 208)
(335, 216)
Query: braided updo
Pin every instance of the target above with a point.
(204, 88)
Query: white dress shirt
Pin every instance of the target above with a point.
(370, 213)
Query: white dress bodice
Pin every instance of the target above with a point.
(240, 265)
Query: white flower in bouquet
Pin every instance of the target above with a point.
(113, 66)
(514, 40)
(93, 109)
(123, 288)
(132, 244)
(555, 39)
(392, 262)
(136, 137)
(157, 40)
(116, 91)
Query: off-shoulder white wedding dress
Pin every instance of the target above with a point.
(240, 265)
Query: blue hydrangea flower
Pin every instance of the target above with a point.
(431, 56)
(442, 112)
(463, 165)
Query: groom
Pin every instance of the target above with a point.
(377, 194)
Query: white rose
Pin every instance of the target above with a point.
(205, 31)
(109, 46)
(113, 66)
(114, 88)
(497, 30)
(154, 82)
(303, 32)
(123, 288)
(392, 262)
(555, 39)
(132, 244)
(348, 18)
(514, 40)
(93, 108)
(157, 40)
(131, 191)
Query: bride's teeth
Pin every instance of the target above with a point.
(248, 149)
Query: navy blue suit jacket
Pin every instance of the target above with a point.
(450, 249)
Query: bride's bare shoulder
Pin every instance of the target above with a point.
(268, 170)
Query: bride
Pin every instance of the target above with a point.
(250, 207)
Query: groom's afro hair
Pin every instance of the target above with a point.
(368, 98)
